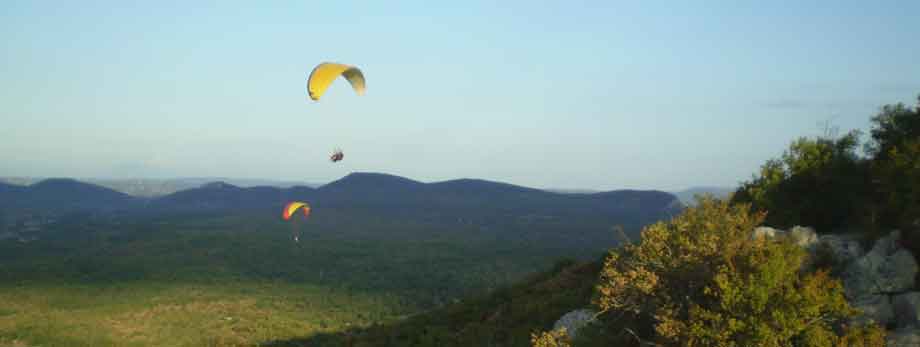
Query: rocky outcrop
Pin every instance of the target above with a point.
(766, 232)
(575, 320)
(886, 269)
(880, 282)
(875, 308)
(843, 249)
(903, 337)
(802, 236)
(907, 309)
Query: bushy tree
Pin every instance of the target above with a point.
(892, 127)
(762, 190)
(820, 182)
(703, 281)
(895, 146)
(898, 183)
(897, 198)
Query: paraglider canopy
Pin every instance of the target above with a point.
(324, 74)
(292, 207)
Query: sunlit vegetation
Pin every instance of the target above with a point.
(241, 280)
(826, 183)
(180, 314)
(701, 280)
(507, 317)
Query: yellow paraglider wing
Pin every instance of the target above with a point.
(324, 74)
(290, 208)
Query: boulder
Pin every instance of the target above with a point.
(907, 309)
(875, 308)
(767, 232)
(574, 320)
(904, 337)
(803, 236)
(887, 245)
(887, 268)
(900, 270)
(844, 249)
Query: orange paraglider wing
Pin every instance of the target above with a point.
(292, 207)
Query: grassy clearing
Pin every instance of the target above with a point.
(146, 314)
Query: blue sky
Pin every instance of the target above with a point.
(566, 94)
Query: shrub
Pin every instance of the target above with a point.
(703, 281)
(555, 338)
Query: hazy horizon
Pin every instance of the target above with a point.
(662, 96)
(287, 183)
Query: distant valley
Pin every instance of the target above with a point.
(375, 248)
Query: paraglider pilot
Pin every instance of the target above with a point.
(337, 155)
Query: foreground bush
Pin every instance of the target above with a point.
(700, 280)
(556, 338)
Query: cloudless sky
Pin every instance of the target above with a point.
(548, 94)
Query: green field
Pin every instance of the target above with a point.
(242, 281)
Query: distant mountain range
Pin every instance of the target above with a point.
(573, 191)
(160, 187)
(374, 193)
(63, 194)
(685, 196)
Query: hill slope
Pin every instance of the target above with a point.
(64, 195)
(150, 187)
(471, 201)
